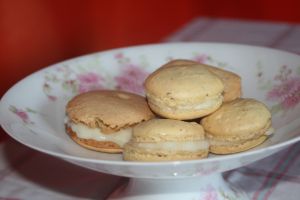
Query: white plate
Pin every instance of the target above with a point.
(33, 110)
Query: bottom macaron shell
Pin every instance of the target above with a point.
(137, 154)
(229, 149)
(101, 146)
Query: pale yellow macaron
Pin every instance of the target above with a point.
(232, 81)
(237, 126)
(184, 91)
(103, 120)
(166, 140)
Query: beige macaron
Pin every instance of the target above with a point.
(103, 120)
(231, 80)
(184, 91)
(166, 140)
(237, 126)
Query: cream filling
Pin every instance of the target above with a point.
(216, 142)
(270, 131)
(120, 137)
(191, 146)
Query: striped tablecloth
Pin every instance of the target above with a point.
(27, 174)
(276, 35)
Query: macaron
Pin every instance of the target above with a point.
(231, 80)
(183, 91)
(237, 126)
(166, 140)
(103, 120)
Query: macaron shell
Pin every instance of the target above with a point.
(101, 146)
(160, 130)
(183, 83)
(108, 110)
(177, 92)
(137, 154)
(237, 118)
(231, 81)
(246, 145)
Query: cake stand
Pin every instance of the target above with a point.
(32, 112)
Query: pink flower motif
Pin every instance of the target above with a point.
(89, 81)
(283, 73)
(131, 79)
(119, 56)
(52, 98)
(201, 58)
(21, 114)
(287, 93)
(211, 194)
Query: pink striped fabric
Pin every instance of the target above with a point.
(277, 35)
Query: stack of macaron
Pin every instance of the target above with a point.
(103, 120)
(190, 110)
(206, 99)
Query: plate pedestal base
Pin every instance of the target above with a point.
(210, 187)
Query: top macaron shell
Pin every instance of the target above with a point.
(108, 110)
(170, 88)
(231, 81)
(158, 130)
(184, 83)
(238, 119)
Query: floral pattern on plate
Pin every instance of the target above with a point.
(76, 80)
(23, 114)
(211, 194)
(283, 90)
(71, 81)
(207, 59)
(131, 75)
(89, 81)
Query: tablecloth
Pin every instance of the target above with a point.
(28, 174)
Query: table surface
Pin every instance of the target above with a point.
(28, 174)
